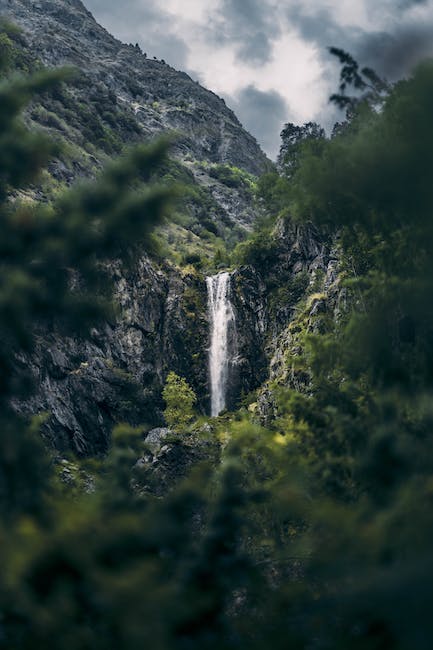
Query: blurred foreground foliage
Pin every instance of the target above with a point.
(313, 535)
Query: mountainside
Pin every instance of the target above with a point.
(216, 388)
(63, 32)
(121, 97)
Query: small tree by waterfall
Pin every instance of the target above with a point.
(180, 399)
(221, 318)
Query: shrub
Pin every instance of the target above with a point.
(180, 400)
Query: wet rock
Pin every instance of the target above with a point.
(249, 367)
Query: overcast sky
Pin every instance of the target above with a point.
(268, 58)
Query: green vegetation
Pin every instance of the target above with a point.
(12, 52)
(179, 400)
(233, 177)
(200, 232)
(362, 429)
(258, 250)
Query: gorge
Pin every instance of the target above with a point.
(165, 302)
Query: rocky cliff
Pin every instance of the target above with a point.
(63, 32)
(86, 386)
(121, 97)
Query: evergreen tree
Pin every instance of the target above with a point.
(44, 248)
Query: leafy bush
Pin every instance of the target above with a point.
(180, 400)
(259, 251)
(232, 176)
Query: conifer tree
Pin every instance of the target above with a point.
(44, 249)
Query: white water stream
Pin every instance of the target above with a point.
(222, 318)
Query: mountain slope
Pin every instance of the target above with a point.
(63, 32)
(120, 97)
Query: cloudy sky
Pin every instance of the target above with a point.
(268, 58)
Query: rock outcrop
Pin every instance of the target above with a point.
(169, 457)
(86, 386)
(250, 303)
(120, 96)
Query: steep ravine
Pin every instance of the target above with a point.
(88, 386)
(85, 386)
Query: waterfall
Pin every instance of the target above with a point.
(222, 322)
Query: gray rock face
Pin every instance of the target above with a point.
(249, 367)
(156, 438)
(118, 375)
(305, 297)
(86, 386)
(63, 32)
(265, 299)
(120, 97)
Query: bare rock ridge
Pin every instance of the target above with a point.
(63, 32)
(122, 97)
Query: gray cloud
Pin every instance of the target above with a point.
(319, 27)
(390, 36)
(394, 50)
(250, 26)
(256, 49)
(407, 4)
(263, 114)
(404, 4)
(391, 50)
(394, 54)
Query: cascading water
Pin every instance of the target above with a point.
(222, 322)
